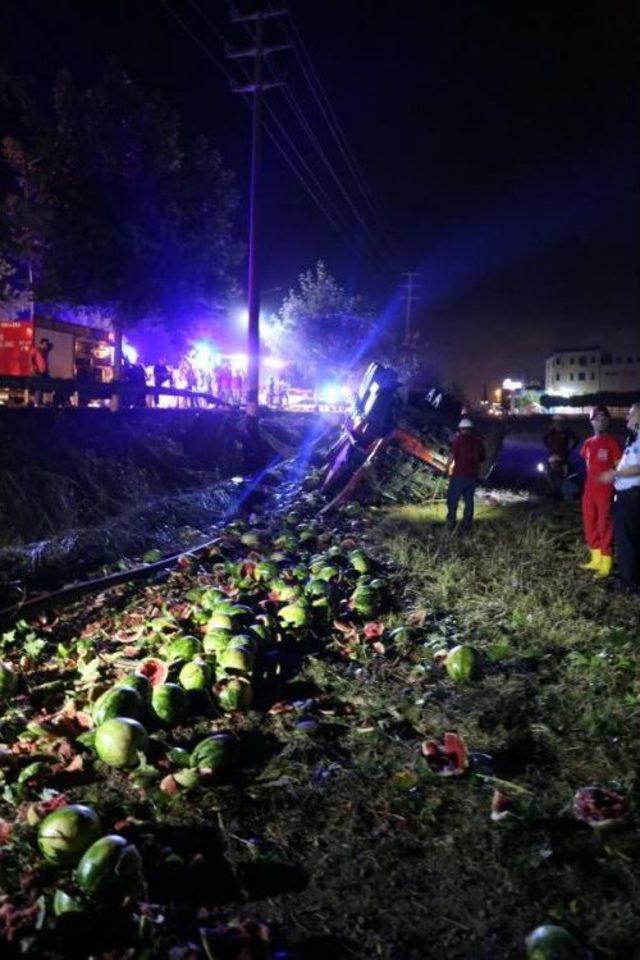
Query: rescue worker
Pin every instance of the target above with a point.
(600, 452)
(271, 392)
(626, 508)
(39, 360)
(559, 441)
(468, 453)
(161, 377)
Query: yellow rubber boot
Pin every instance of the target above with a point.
(594, 562)
(604, 570)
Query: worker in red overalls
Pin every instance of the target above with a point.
(601, 452)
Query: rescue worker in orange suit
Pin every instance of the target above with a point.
(601, 452)
(468, 455)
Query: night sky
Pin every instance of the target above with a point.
(498, 142)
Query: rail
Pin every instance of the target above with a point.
(132, 392)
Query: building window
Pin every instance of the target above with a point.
(572, 359)
(570, 376)
(593, 376)
(582, 361)
(582, 376)
(558, 361)
(557, 376)
(593, 359)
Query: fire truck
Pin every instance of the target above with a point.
(77, 349)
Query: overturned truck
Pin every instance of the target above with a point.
(396, 445)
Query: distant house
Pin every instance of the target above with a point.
(589, 370)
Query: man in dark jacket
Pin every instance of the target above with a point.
(468, 454)
(559, 441)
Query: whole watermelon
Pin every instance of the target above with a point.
(119, 740)
(65, 834)
(236, 660)
(217, 754)
(182, 648)
(170, 703)
(216, 640)
(461, 662)
(237, 694)
(294, 615)
(550, 942)
(196, 675)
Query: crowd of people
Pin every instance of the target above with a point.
(610, 495)
(223, 382)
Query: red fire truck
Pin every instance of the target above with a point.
(75, 347)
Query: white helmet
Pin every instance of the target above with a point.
(465, 423)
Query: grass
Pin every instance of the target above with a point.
(337, 835)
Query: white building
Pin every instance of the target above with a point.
(582, 370)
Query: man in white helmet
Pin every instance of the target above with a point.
(468, 454)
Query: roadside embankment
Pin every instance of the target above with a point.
(80, 488)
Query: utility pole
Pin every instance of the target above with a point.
(410, 288)
(256, 88)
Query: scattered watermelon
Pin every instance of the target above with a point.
(550, 942)
(359, 561)
(215, 641)
(365, 600)
(217, 755)
(235, 694)
(170, 703)
(121, 701)
(446, 756)
(265, 571)
(156, 671)
(182, 648)
(119, 740)
(460, 662)
(7, 681)
(111, 869)
(599, 806)
(65, 834)
(196, 675)
(210, 599)
(64, 903)
(236, 660)
(219, 621)
(294, 615)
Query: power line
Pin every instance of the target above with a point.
(299, 113)
(274, 117)
(335, 128)
(302, 53)
(196, 40)
(204, 48)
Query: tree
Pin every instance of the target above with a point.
(135, 220)
(322, 327)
